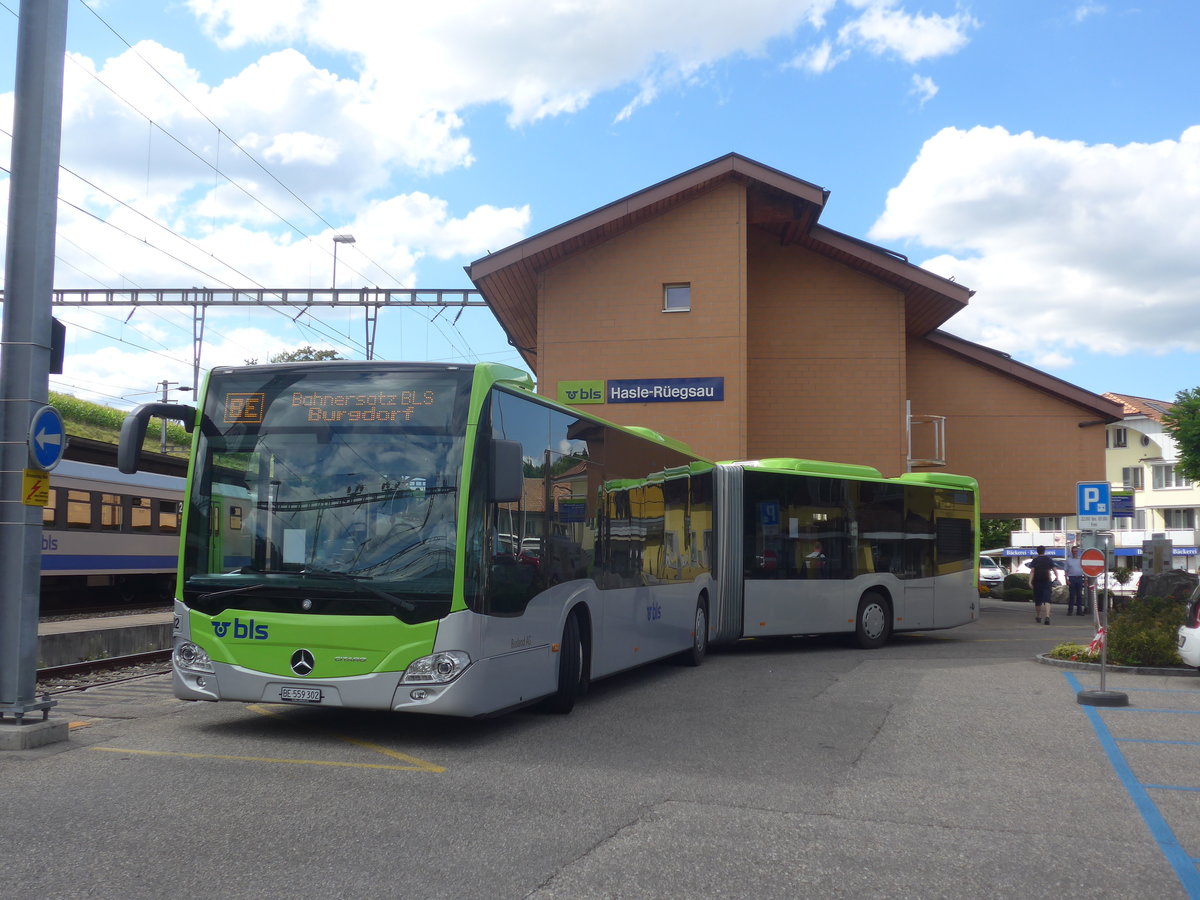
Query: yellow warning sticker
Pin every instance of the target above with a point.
(35, 489)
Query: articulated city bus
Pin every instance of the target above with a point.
(440, 539)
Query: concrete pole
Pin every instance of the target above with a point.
(25, 343)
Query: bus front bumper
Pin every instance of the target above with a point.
(486, 686)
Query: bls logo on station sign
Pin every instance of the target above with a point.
(642, 390)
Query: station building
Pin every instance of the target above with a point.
(715, 308)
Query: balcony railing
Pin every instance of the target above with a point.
(1180, 537)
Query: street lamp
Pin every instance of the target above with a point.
(339, 239)
(166, 385)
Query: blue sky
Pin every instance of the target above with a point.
(1045, 154)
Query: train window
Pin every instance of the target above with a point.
(79, 509)
(50, 509)
(235, 518)
(110, 512)
(141, 514)
(168, 516)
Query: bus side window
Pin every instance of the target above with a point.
(513, 580)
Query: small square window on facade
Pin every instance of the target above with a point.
(677, 297)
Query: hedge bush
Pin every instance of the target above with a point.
(1016, 587)
(1142, 633)
(1146, 633)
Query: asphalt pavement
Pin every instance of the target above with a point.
(946, 764)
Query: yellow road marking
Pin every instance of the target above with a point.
(418, 764)
(266, 759)
(71, 726)
(414, 763)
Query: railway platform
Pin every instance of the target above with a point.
(70, 641)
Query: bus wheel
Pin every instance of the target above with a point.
(874, 623)
(699, 648)
(570, 669)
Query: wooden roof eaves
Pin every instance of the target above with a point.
(1106, 409)
(729, 166)
(893, 263)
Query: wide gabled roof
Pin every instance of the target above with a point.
(1105, 409)
(1141, 406)
(786, 206)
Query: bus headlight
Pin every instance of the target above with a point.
(437, 668)
(191, 657)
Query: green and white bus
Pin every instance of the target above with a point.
(440, 539)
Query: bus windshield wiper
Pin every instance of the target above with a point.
(361, 581)
(240, 589)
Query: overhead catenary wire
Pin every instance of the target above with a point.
(307, 328)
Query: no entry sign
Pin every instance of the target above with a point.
(1092, 562)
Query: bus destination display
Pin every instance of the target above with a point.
(337, 405)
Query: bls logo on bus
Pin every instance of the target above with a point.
(653, 612)
(243, 630)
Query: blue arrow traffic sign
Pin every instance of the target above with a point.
(47, 438)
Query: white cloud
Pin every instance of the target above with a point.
(1086, 10)
(923, 88)
(819, 59)
(1068, 245)
(884, 29)
(343, 143)
(540, 59)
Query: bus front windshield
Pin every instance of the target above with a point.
(339, 483)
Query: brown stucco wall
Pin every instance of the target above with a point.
(600, 317)
(826, 360)
(1023, 445)
(815, 357)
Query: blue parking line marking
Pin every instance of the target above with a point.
(1152, 709)
(1168, 844)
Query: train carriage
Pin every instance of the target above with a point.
(106, 533)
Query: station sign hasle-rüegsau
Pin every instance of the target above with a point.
(642, 390)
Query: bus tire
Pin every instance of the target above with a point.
(694, 656)
(873, 625)
(570, 669)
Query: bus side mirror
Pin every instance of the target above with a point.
(508, 472)
(133, 430)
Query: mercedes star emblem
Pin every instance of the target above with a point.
(302, 662)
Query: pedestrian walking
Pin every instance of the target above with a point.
(1076, 596)
(1042, 573)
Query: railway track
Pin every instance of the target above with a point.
(94, 673)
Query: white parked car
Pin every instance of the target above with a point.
(991, 576)
(1189, 631)
(1128, 589)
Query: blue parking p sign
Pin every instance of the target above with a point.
(1094, 505)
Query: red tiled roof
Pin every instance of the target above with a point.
(1142, 406)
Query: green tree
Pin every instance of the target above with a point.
(995, 533)
(307, 353)
(1183, 425)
